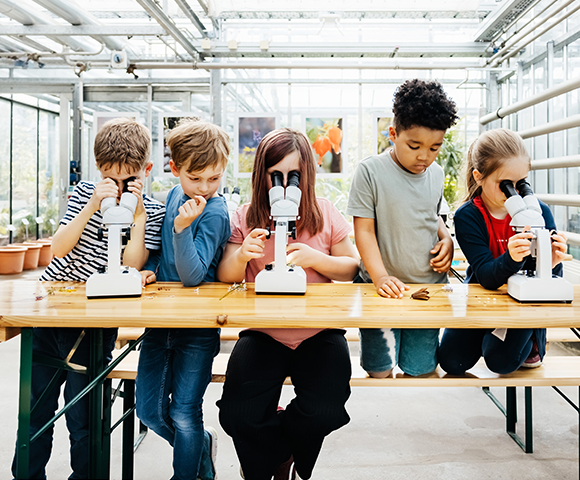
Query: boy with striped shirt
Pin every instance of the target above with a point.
(122, 153)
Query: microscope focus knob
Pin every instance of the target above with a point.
(269, 267)
(294, 232)
(100, 234)
(269, 233)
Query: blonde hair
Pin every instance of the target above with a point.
(196, 145)
(489, 152)
(123, 142)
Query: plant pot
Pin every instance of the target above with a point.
(32, 255)
(12, 259)
(45, 253)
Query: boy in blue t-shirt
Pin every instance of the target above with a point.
(122, 152)
(175, 364)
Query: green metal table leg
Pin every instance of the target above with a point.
(128, 430)
(98, 466)
(107, 392)
(23, 435)
(529, 432)
(511, 410)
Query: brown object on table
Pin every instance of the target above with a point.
(421, 294)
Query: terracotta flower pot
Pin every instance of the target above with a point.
(32, 255)
(45, 253)
(12, 259)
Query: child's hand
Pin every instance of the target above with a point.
(188, 212)
(519, 245)
(136, 188)
(390, 287)
(253, 245)
(559, 248)
(302, 255)
(443, 251)
(104, 189)
(147, 277)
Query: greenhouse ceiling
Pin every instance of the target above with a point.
(122, 37)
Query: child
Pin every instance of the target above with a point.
(494, 253)
(395, 199)
(175, 364)
(122, 150)
(269, 440)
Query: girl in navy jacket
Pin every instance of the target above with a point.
(495, 252)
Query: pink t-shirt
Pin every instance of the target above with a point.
(334, 230)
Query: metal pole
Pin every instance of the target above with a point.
(23, 435)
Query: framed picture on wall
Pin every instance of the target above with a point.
(249, 129)
(99, 119)
(381, 133)
(326, 136)
(167, 122)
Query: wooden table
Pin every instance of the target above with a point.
(25, 304)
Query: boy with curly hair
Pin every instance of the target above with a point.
(395, 199)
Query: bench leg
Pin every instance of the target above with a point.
(142, 433)
(577, 408)
(510, 413)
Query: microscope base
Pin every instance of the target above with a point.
(534, 290)
(290, 281)
(128, 284)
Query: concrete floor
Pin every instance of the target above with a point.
(394, 434)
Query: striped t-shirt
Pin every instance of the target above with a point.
(89, 255)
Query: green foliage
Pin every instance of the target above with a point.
(450, 158)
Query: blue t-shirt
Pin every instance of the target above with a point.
(191, 256)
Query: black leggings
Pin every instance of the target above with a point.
(264, 438)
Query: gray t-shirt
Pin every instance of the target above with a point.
(405, 207)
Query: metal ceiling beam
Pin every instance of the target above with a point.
(157, 13)
(26, 15)
(506, 14)
(85, 30)
(205, 9)
(400, 50)
(189, 13)
(72, 13)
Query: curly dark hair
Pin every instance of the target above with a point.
(418, 103)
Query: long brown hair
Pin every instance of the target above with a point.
(489, 152)
(273, 148)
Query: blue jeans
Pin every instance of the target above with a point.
(57, 343)
(461, 349)
(413, 349)
(173, 374)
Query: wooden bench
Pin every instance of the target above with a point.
(556, 371)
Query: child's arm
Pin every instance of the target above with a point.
(195, 254)
(443, 250)
(67, 236)
(232, 267)
(135, 253)
(341, 264)
(366, 242)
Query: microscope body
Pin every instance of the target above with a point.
(278, 277)
(117, 280)
(539, 286)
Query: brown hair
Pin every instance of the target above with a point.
(489, 152)
(196, 145)
(123, 142)
(273, 148)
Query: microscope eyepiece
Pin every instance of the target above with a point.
(293, 178)
(507, 187)
(277, 179)
(524, 187)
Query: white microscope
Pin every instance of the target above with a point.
(278, 277)
(525, 209)
(117, 280)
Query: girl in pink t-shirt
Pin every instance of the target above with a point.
(271, 441)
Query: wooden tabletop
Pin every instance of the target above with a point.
(64, 304)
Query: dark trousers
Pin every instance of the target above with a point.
(57, 343)
(264, 438)
(460, 349)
